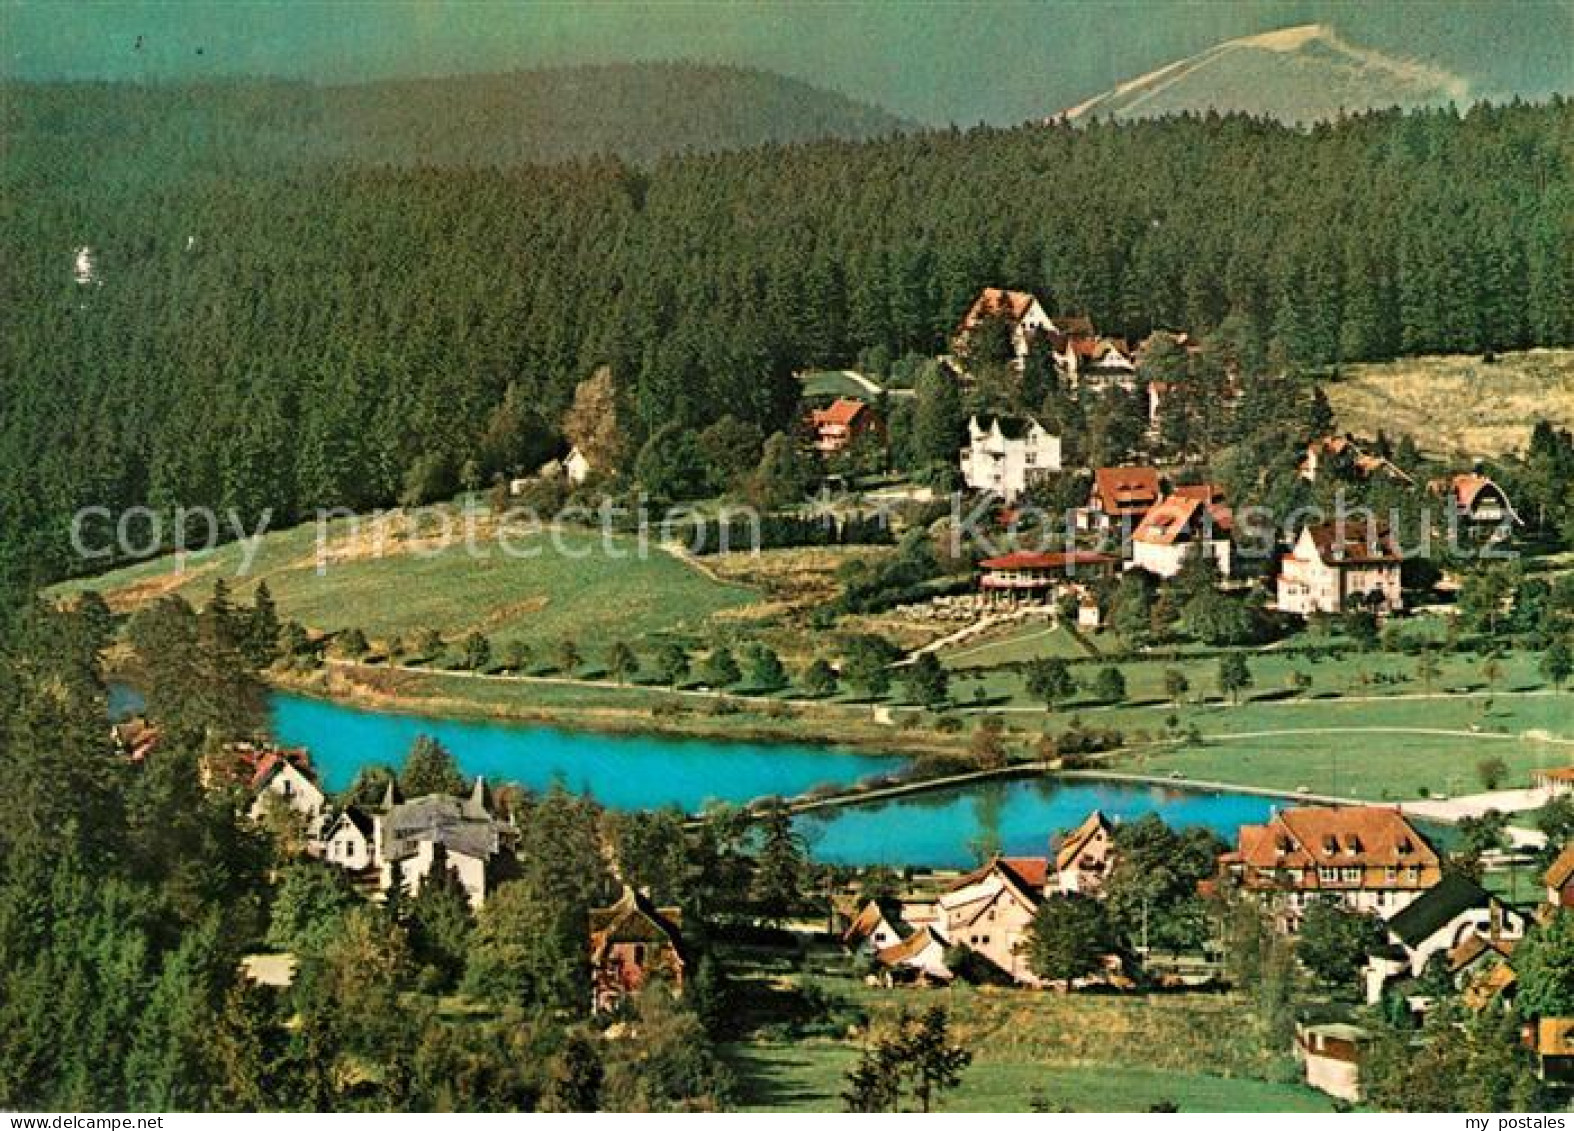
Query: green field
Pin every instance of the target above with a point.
(834, 383)
(552, 585)
(1078, 1052)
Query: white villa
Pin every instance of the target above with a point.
(405, 837)
(278, 781)
(1337, 562)
(1009, 456)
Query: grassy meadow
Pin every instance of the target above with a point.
(1458, 404)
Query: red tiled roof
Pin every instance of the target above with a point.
(1562, 869)
(1060, 559)
(1338, 836)
(1125, 490)
(994, 302)
(843, 411)
(1167, 520)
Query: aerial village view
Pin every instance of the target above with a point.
(786, 556)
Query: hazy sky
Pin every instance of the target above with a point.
(936, 62)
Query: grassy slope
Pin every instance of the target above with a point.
(556, 593)
(1084, 1053)
(1456, 403)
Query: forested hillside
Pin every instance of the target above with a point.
(300, 335)
(638, 111)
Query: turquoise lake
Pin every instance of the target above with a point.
(942, 829)
(621, 772)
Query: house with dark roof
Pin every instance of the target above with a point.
(407, 839)
(1009, 456)
(1336, 564)
(1034, 576)
(1441, 920)
(1369, 858)
(632, 943)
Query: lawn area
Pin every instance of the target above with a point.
(1072, 1051)
(548, 585)
(1457, 403)
(1352, 750)
(1013, 643)
(835, 383)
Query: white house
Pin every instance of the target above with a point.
(279, 781)
(1436, 922)
(1009, 456)
(1337, 562)
(350, 841)
(919, 957)
(1177, 526)
(576, 466)
(403, 838)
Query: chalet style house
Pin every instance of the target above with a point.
(1177, 526)
(1369, 858)
(1559, 880)
(1476, 506)
(405, 839)
(1086, 856)
(1096, 363)
(632, 943)
(840, 424)
(1022, 313)
(279, 781)
(1457, 918)
(990, 909)
(1336, 564)
(1009, 456)
(1342, 455)
(1025, 576)
(1119, 497)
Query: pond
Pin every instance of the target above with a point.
(942, 829)
(954, 828)
(620, 771)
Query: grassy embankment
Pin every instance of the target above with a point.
(1079, 1052)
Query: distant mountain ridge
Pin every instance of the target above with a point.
(638, 111)
(1297, 74)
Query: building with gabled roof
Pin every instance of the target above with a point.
(839, 425)
(872, 929)
(1477, 506)
(1119, 497)
(1336, 563)
(279, 779)
(1042, 575)
(991, 909)
(1559, 879)
(1337, 451)
(1086, 856)
(920, 957)
(633, 942)
(1370, 858)
(1440, 920)
(1023, 314)
(1176, 527)
(1009, 456)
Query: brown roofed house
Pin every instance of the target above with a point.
(1119, 496)
(1560, 879)
(1338, 563)
(1023, 314)
(1368, 857)
(631, 943)
(1085, 858)
(1175, 527)
(841, 423)
(1477, 506)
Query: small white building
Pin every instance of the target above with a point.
(576, 466)
(278, 781)
(350, 840)
(1331, 1055)
(1009, 456)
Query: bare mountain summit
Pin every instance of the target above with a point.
(1295, 74)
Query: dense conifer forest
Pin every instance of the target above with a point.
(284, 335)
